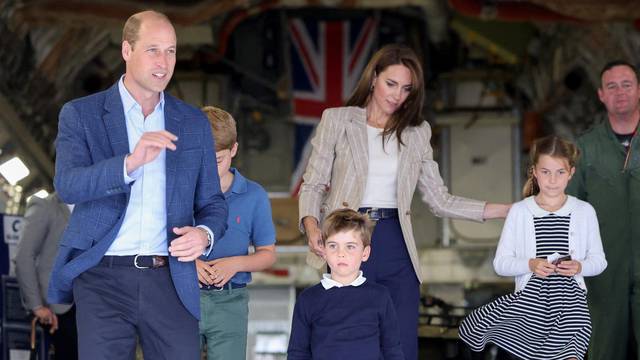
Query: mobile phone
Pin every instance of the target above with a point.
(561, 259)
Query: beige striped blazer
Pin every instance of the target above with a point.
(336, 174)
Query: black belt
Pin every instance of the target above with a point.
(227, 286)
(137, 261)
(376, 214)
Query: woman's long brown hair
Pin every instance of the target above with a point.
(409, 114)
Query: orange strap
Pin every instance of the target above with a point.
(34, 323)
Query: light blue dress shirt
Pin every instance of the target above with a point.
(144, 228)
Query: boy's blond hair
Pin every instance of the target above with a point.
(223, 127)
(343, 220)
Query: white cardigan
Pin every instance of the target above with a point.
(518, 241)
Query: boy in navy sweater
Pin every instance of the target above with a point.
(345, 314)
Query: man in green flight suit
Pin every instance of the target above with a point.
(608, 177)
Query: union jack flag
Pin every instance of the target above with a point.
(327, 59)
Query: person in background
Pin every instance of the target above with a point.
(224, 298)
(608, 177)
(370, 156)
(45, 221)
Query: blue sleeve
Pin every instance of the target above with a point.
(210, 206)
(262, 230)
(389, 336)
(300, 339)
(78, 179)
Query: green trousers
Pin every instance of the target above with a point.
(223, 323)
(614, 304)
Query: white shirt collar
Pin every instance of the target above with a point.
(128, 102)
(327, 282)
(537, 211)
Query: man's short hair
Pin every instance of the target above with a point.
(611, 64)
(344, 220)
(131, 27)
(223, 127)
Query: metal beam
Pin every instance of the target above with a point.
(82, 13)
(28, 148)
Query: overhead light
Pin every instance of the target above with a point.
(14, 170)
(42, 193)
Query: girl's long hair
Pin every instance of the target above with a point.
(553, 146)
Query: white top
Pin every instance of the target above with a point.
(518, 240)
(382, 178)
(327, 282)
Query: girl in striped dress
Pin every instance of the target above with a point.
(549, 242)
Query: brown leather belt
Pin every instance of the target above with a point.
(137, 261)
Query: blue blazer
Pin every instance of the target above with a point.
(91, 146)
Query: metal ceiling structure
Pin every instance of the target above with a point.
(50, 52)
(48, 46)
(593, 10)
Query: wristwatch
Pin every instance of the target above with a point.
(209, 237)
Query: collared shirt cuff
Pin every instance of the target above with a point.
(135, 175)
(208, 250)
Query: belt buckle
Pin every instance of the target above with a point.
(135, 263)
(372, 210)
(222, 287)
(158, 261)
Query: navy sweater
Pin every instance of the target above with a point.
(354, 322)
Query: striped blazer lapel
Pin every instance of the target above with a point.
(357, 138)
(404, 162)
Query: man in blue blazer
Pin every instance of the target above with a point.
(140, 167)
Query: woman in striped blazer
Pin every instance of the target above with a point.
(370, 156)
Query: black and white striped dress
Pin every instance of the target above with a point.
(548, 319)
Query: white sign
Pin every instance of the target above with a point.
(12, 234)
(12, 229)
(16, 354)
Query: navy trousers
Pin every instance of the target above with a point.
(116, 305)
(390, 265)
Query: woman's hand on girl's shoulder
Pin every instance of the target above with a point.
(569, 268)
(541, 267)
